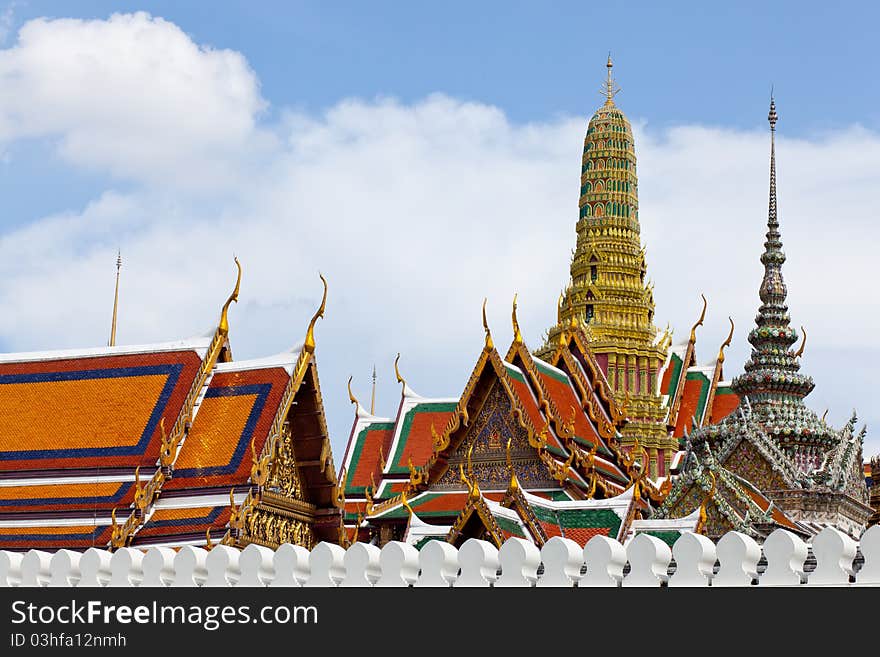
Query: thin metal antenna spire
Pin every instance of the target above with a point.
(115, 299)
(373, 400)
(609, 88)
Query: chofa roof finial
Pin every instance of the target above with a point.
(693, 338)
(726, 343)
(489, 343)
(309, 345)
(517, 336)
(223, 327)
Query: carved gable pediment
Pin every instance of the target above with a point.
(483, 451)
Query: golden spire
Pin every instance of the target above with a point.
(693, 338)
(517, 336)
(489, 343)
(373, 397)
(726, 342)
(115, 299)
(223, 327)
(559, 305)
(309, 345)
(800, 351)
(609, 88)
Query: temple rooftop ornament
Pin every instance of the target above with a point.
(609, 88)
(223, 326)
(489, 343)
(772, 462)
(772, 380)
(373, 394)
(608, 293)
(112, 342)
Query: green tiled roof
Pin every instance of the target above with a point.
(589, 518)
(422, 542)
(669, 536)
(510, 526)
(546, 369)
(675, 363)
(401, 511)
(515, 373)
(544, 514)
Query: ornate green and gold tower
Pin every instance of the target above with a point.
(608, 294)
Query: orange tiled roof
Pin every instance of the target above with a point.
(565, 400)
(185, 523)
(724, 404)
(237, 408)
(84, 494)
(776, 513)
(371, 444)
(90, 412)
(52, 537)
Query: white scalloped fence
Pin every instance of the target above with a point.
(832, 559)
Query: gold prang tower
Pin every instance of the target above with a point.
(608, 294)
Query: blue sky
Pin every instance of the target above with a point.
(679, 62)
(412, 152)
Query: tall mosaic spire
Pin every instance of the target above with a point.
(772, 382)
(772, 462)
(608, 294)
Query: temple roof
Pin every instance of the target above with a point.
(497, 517)
(93, 409)
(92, 437)
(231, 423)
(695, 395)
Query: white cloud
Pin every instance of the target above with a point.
(413, 212)
(132, 96)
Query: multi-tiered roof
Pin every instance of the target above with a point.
(531, 448)
(163, 444)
